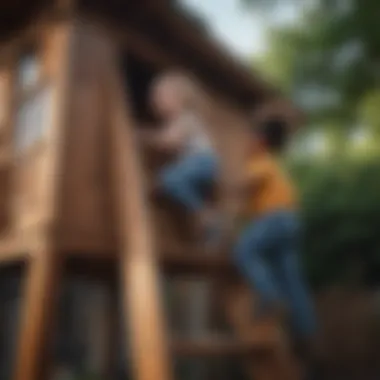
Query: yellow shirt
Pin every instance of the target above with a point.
(274, 189)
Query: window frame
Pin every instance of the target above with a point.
(23, 94)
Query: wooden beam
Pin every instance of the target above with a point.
(101, 328)
(196, 263)
(143, 48)
(6, 81)
(42, 282)
(20, 244)
(139, 270)
(131, 40)
(112, 330)
(54, 169)
(220, 346)
(12, 254)
(37, 314)
(210, 51)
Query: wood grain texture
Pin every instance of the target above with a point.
(37, 317)
(86, 211)
(139, 269)
(43, 279)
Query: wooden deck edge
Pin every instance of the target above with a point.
(10, 256)
(207, 346)
(194, 263)
(16, 248)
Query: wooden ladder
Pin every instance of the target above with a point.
(267, 355)
(263, 346)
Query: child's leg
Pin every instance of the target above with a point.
(250, 251)
(290, 276)
(183, 179)
(296, 290)
(301, 309)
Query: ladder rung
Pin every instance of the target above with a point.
(219, 346)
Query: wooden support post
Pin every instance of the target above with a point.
(139, 269)
(102, 329)
(44, 265)
(37, 313)
(112, 325)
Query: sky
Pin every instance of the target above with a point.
(242, 31)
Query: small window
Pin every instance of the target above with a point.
(28, 70)
(33, 118)
(33, 112)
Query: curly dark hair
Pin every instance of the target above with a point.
(275, 133)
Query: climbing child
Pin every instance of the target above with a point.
(266, 251)
(176, 100)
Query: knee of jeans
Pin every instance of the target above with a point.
(247, 248)
(241, 252)
(170, 180)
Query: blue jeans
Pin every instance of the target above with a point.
(267, 255)
(184, 179)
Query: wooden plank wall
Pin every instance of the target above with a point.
(86, 219)
(28, 179)
(29, 156)
(5, 115)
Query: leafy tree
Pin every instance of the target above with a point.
(341, 211)
(330, 59)
(329, 63)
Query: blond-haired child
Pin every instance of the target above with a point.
(177, 99)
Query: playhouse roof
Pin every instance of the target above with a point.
(166, 24)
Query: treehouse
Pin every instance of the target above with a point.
(74, 182)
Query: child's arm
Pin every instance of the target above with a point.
(172, 137)
(169, 138)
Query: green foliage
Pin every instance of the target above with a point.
(341, 212)
(329, 63)
(369, 111)
(333, 52)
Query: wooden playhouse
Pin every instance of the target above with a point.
(73, 181)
